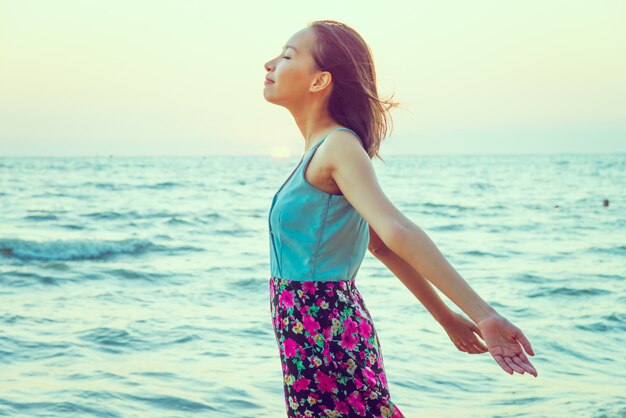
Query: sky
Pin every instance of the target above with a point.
(85, 78)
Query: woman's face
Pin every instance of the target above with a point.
(293, 70)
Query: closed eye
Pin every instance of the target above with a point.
(287, 58)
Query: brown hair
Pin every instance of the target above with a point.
(354, 101)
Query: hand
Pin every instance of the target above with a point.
(503, 341)
(461, 331)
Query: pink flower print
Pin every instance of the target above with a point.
(326, 354)
(355, 400)
(383, 378)
(330, 285)
(286, 299)
(364, 328)
(310, 324)
(326, 383)
(309, 287)
(370, 376)
(358, 383)
(341, 407)
(348, 341)
(327, 333)
(301, 384)
(349, 325)
(290, 347)
(281, 323)
(371, 359)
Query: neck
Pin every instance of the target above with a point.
(314, 122)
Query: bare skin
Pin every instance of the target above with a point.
(341, 166)
(461, 331)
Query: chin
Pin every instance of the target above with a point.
(268, 97)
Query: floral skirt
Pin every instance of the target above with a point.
(330, 354)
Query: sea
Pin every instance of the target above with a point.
(139, 286)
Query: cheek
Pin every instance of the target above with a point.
(292, 76)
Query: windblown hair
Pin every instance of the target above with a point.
(354, 101)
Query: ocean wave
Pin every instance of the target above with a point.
(79, 249)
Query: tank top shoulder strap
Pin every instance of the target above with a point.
(305, 160)
(347, 129)
(341, 127)
(312, 151)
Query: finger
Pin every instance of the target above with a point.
(480, 348)
(525, 343)
(513, 365)
(498, 358)
(523, 365)
(476, 330)
(525, 359)
(476, 342)
(458, 346)
(477, 349)
(471, 349)
(528, 367)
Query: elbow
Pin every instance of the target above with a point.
(391, 238)
(379, 250)
(396, 237)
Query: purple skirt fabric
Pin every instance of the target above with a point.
(330, 354)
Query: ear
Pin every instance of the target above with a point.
(322, 81)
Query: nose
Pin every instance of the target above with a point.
(267, 66)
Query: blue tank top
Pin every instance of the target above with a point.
(314, 235)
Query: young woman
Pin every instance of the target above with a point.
(324, 217)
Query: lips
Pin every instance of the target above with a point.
(269, 80)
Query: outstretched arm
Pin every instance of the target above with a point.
(351, 168)
(459, 329)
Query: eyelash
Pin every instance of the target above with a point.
(287, 58)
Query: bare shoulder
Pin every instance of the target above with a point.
(342, 144)
(352, 170)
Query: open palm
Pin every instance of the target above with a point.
(503, 342)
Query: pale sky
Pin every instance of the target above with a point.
(186, 77)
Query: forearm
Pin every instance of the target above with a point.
(415, 282)
(416, 248)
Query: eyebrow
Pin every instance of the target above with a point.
(290, 46)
